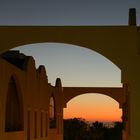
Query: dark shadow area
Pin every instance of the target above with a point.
(79, 129)
(14, 111)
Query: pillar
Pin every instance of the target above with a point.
(132, 17)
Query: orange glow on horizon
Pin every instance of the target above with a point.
(93, 107)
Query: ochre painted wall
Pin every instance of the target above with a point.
(34, 93)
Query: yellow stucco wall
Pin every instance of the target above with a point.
(32, 85)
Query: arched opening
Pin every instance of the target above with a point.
(95, 115)
(52, 113)
(14, 111)
(75, 65)
(98, 107)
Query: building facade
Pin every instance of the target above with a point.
(30, 107)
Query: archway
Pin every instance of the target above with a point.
(109, 41)
(90, 106)
(90, 109)
(52, 113)
(14, 108)
(95, 38)
(75, 65)
(84, 54)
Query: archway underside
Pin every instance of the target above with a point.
(117, 93)
(106, 40)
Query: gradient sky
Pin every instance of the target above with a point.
(77, 66)
(74, 65)
(66, 12)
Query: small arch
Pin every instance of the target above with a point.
(100, 94)
(52, 113)
(58, 83)
(87, 104)
(14, 110)
(116, 93)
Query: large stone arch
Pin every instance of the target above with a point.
(106, 40)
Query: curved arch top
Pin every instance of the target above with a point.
(117, 93)
(14, 108)
(106, 40)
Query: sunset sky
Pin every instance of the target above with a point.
(76, 66)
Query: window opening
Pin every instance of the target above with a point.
(13, 119)
(52, 116)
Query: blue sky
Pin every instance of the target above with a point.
(76, 66)
(67, 12)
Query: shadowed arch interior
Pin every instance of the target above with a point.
(52, 117)
(14, 111)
